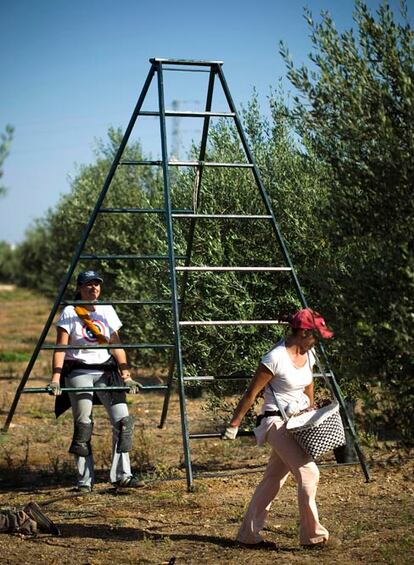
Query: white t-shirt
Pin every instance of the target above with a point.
(289, 381)
(104, 317)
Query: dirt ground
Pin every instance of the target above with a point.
(163, 522)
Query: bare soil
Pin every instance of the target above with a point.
(163, 521)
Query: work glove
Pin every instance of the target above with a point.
(54, 389)
(230, 433)
(133, 386)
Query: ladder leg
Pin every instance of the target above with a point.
(349, 425)
(168, 391)
(190, 237)
(173, 281)
(344, 412)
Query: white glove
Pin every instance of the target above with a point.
(230, 432)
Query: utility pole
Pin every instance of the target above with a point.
(176, 132)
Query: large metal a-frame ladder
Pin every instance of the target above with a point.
(176, 373)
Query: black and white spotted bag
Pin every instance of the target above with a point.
(318, 431)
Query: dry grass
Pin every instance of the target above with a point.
(163, 520)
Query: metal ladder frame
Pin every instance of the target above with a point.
(177, 303)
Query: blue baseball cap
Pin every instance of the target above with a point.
(87, 276)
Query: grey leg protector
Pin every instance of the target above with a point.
(126, 433)
(81, 441)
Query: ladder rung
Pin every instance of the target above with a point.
(139, 211)
(134, 257)
(111, 346)
(241, 269)
(153, 387)
(216, 434)
(222, 216)
(110, 302)
(210, 164)
(158, 163)
(189, 114)
(231, 322)
(35, 390)
(185, 214)
(235, 377)
(194, 62)
(186, 70)
(211, 378)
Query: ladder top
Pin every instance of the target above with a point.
(185, 62)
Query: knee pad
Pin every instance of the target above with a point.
(81, 441)
(126, 431)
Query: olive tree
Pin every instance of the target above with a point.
(355, 107)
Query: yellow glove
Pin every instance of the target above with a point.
(133, 386)
(54, 389)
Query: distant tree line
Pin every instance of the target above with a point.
(338, 163)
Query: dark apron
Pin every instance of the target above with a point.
(110, 370)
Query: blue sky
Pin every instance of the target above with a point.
(72, 68)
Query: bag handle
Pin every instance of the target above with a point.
(278, 405)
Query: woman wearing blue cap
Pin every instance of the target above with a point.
(90, 325)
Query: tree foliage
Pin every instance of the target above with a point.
(8, 263)
(356, 109)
